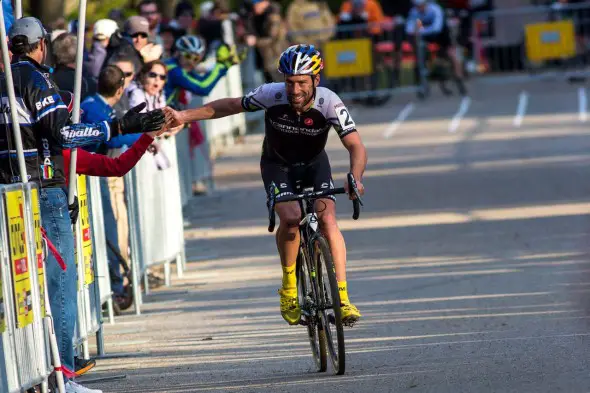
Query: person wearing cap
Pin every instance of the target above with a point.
(101, 34)
(134, 43)
(64, 54)
(149, 10)
(46, 129)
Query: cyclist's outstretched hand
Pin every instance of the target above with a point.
(174, 118)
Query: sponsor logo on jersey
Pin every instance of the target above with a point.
(308, 121)
(86, 132)
(283, 185)
(278, 96)
(44, 102)
(47, 167)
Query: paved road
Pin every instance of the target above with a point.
(470, 262)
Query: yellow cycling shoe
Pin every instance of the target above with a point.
(350, 314)
(290, 309)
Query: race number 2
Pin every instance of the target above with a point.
(345, 120)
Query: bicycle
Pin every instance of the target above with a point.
(318, 294)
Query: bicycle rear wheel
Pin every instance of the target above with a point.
(329, 296)
(308, 300)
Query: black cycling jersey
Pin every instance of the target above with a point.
(45, 126)
(291, 138)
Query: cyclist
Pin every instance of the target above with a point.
(299, 115)
(427, 19)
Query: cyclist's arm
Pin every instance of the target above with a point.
(358, 154)
(340, 118)
(439, 19)
(212, 110)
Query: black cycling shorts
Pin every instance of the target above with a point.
(316, 174)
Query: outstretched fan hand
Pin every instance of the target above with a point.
(136, 122)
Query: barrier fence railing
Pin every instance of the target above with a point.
(25, 355)
(532, 39)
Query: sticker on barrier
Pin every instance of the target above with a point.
(21, 275)
(38, 247)
(347, 58)
(551, 40)
(85, 229)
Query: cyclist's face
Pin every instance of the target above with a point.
(300, 90)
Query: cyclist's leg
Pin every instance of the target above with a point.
(321, 174)
(287, 237)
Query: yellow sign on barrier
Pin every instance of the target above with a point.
(38, 247)
(347, 58)
(551, 40)
(85, 229)
(21, 275)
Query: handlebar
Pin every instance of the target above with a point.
(352, 187)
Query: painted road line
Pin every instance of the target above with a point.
(401, 117)
(583, 104)
(523, 101)
(463, 108)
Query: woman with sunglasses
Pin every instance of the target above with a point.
(149, 86)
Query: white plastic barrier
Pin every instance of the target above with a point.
(100, 249)
(89, 319)
(25, 354)
(155, 214)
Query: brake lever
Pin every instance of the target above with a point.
(352, 185)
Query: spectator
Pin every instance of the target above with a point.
(64, 53)
(184, 17)
(363, 11)
(310, 22)
(50, 132)
(128, 69)
(149, 10)
(210, 27)
(168, 35)
(102, 32)
(100, 107)
(182, 76)
(133, 43)
(266, 31)
(149, 86)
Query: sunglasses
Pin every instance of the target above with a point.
(155, 75)
(128, 74)
(191, 56)
(142, 35)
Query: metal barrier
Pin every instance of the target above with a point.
(25, 355)
(532, 39)
(155, 216)
(100, 252)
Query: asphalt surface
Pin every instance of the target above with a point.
(469, 263)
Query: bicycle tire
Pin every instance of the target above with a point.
(315, 330)
(322, 253)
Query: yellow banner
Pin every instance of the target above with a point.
(348, 58)
(550, 40)
(21, 275)
(38, 247)
(84, 222)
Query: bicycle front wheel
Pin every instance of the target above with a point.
(308, 301)
(329, 297)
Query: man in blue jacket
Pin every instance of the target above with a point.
(96, 108)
